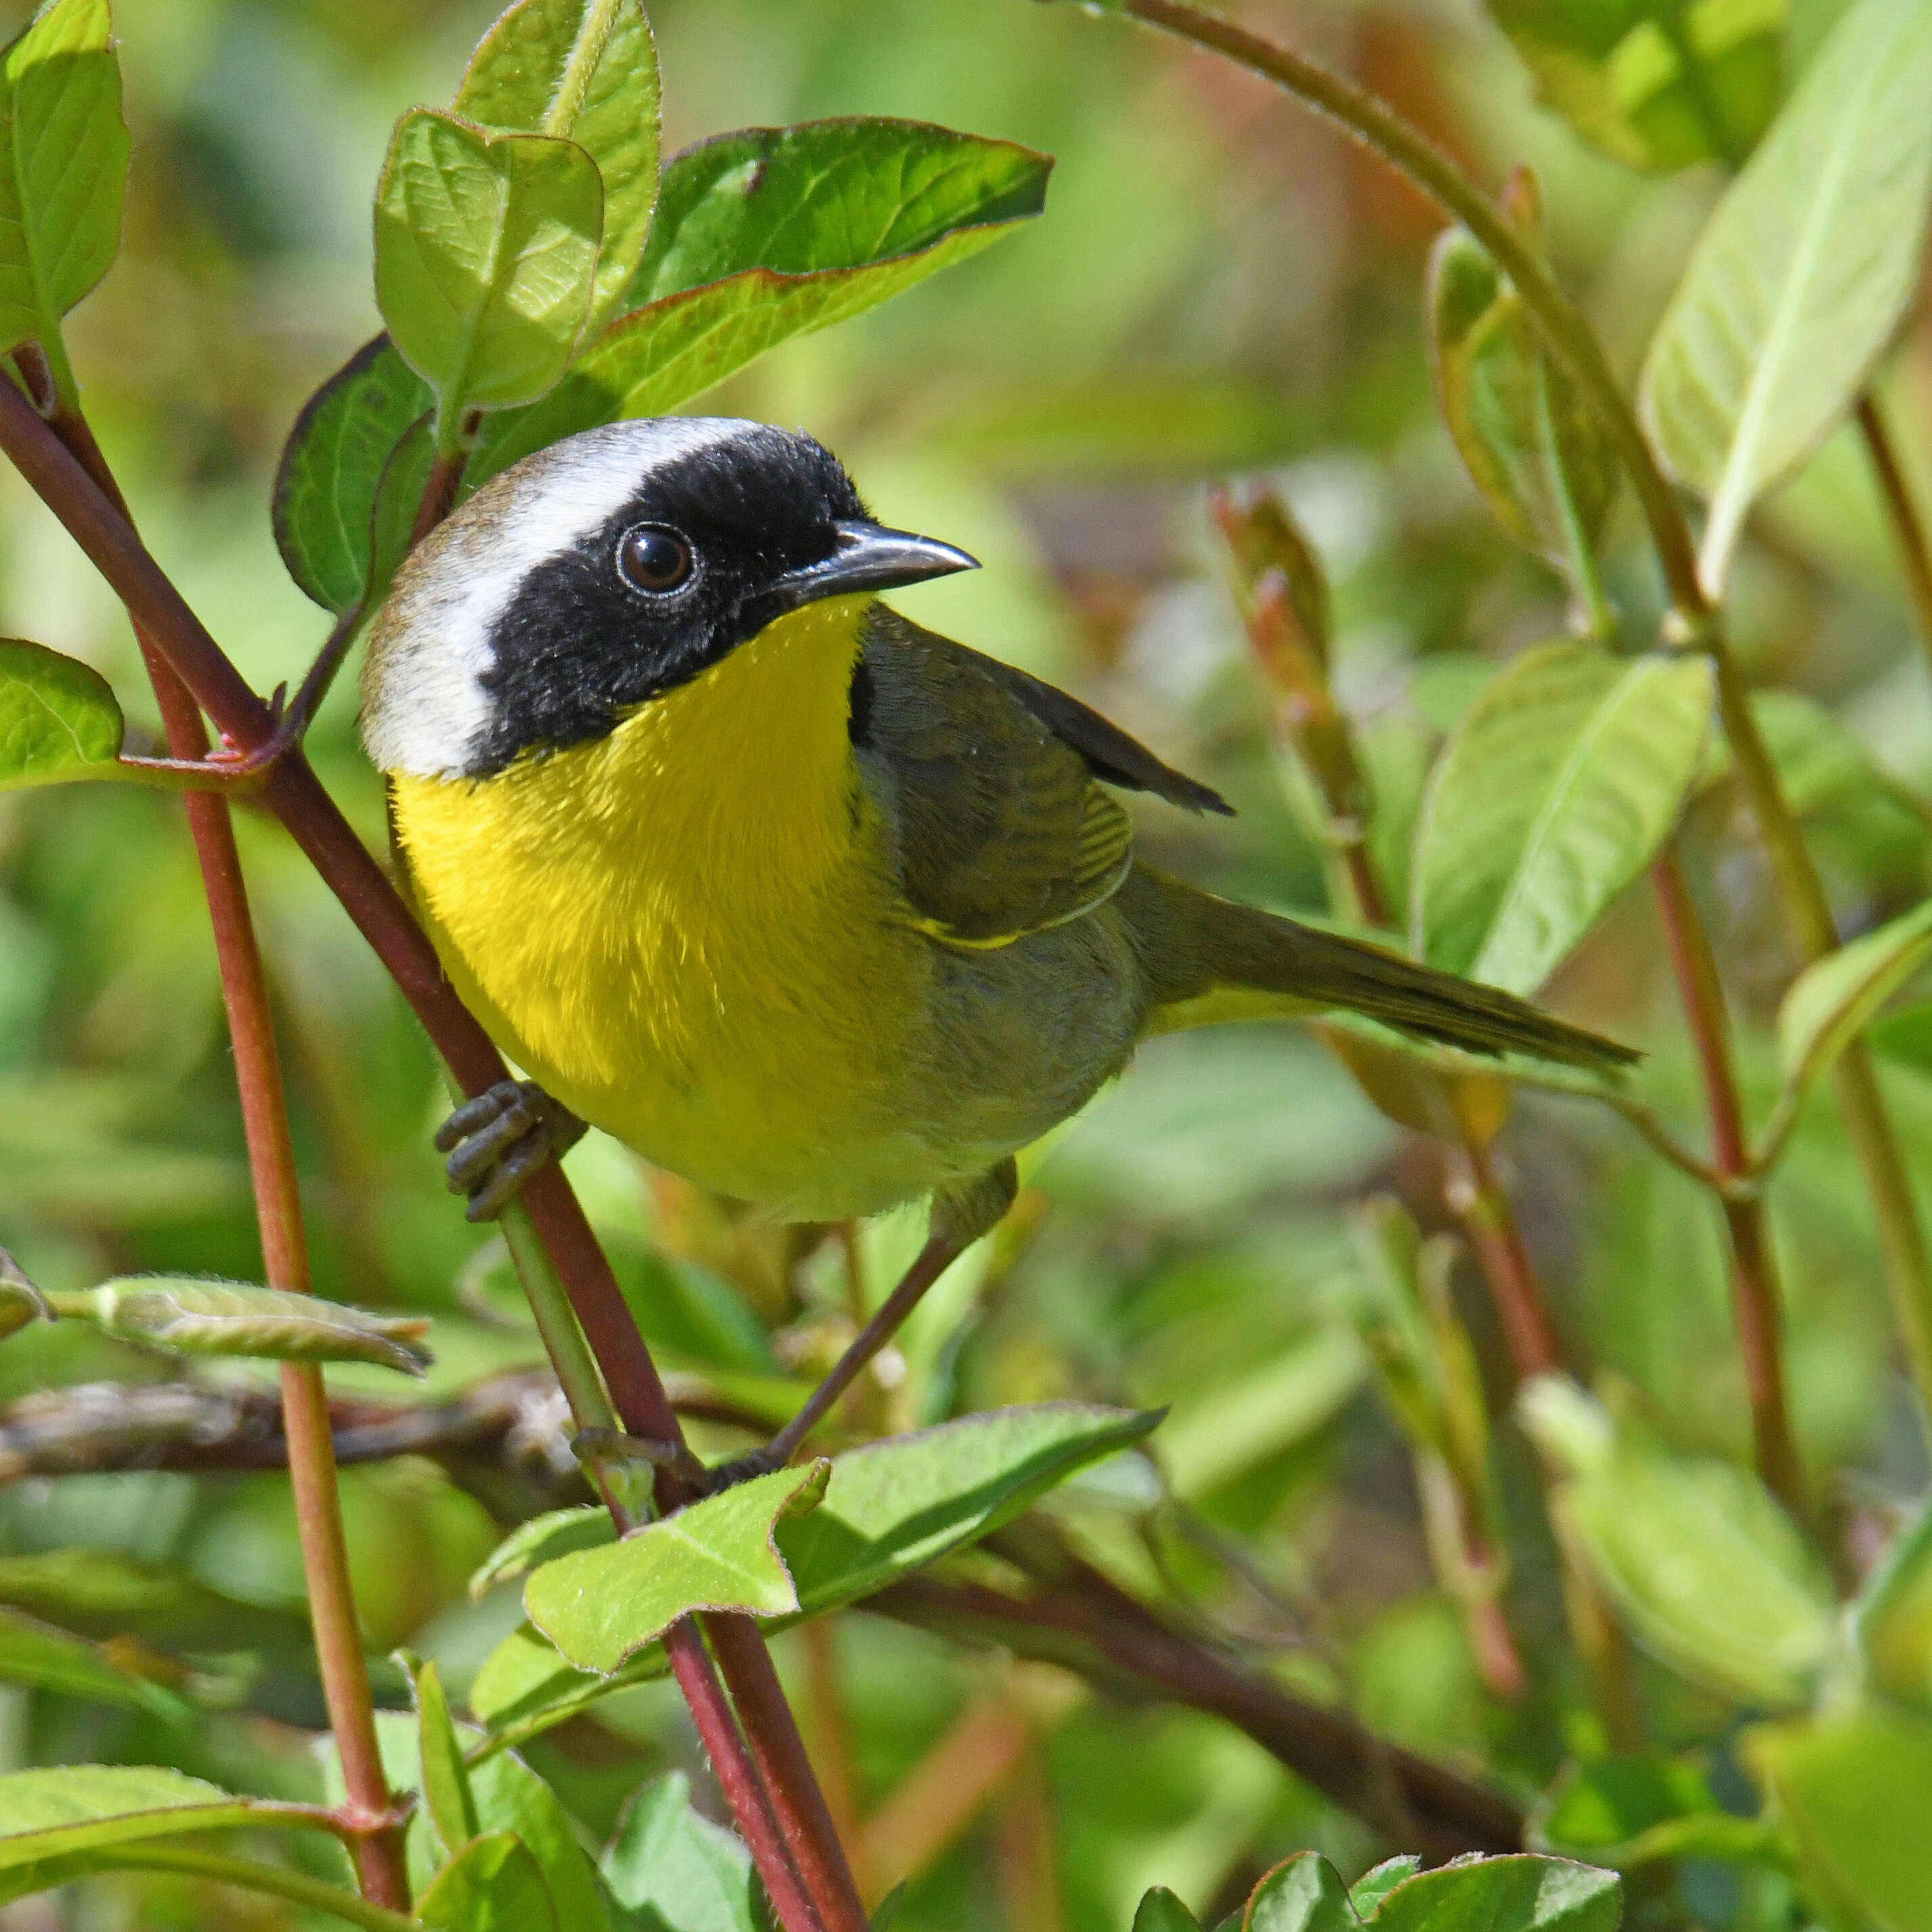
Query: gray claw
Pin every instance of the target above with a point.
(498, 1140)
(723, 1476)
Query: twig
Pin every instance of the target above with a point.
(1908, 527)
(1753, 1266)
(338, 1641)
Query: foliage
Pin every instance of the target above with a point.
(1343, 1443)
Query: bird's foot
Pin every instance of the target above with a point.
(595, 1447)
(497, 1140)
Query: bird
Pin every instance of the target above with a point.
(810, 905)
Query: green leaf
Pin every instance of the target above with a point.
(676, 1870)
(771, 233)
(1802, 274)
(332, 468)
(1369, 1891)
(1306, 1894)
(1560, 783)
(1528, 443)
(492, 1884)
(486, 253)
(1852, 1789)
(1522, 1893)
(58, 720)
(891, 1506)
(49, 1659)
(1891, 1618)
(1831, 1002)
(63, 164)
(1657, 84)
(1699, 1561)
(1598, 1810)
(451, 1803)
(599, 1606)
(199, 1317)
(1160, 1911)
(83, 1812)
(585, 70)
(543, 1540)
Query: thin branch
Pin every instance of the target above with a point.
(1908, 527)
(254, 1875)
(1753, 1266)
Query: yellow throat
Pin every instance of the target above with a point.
(685, 929)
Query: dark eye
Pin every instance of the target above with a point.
(653, 558)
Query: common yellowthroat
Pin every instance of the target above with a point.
(800, 901)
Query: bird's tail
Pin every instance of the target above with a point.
(1211, 959)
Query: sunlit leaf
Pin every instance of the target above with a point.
(1560, 785)
(585, 70)
(63, 164)
(891, 1506)
(599, 1606)
(1656, 83)
(1831, 1002)
(677, 1869)
(543, 1540)
(1306, 1894)
(1851, 1789)
(1801, 275)
(332, 464)
(770, 234)
(1696, 1558)
(1160, 1911)
(486, 251)
(1529, 445)
(1522, 1893)
(451, 1803)
(1368, 1892)
(492, 1884)
(58, 719)
(200, 1317)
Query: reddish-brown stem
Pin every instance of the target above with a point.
(831, 1735)
(803, 1816)
(292, 792)
(1753, 1267)
(1482, 1207)
(344, 1672)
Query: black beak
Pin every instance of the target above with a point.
(869, 557)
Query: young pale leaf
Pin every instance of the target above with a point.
(1160, 1911)
(80, 1808)
(585, 70)
(226, 1317)
(1830, 1003)
(543, 1540)
(891, 1506)
(49, 1659)
(771, 233)
(1529, 445)
(676, 1870)
(446, 1778)
(1559, 785)
(1369, 1891)
(58, 720)
(492, 1884)
(63, 164)
(1852, 1789)
(1700, 1563)
(486, 254)
(1521, 1893)
(1306, 1894)
(1652, 83)
(1802, 274)
(332, 466)
(1891, 1618)
(600, 1606)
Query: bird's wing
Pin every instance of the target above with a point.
(989, 777)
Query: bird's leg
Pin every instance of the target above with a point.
(498, 1140)
(959, 1218)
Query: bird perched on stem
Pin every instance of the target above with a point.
(795, 899)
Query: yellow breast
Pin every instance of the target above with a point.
(686, 930)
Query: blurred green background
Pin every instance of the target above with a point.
(1220, 287)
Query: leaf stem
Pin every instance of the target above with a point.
(277, 1881)
(1753, 1266)
(1908, 528)
(245, 992)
